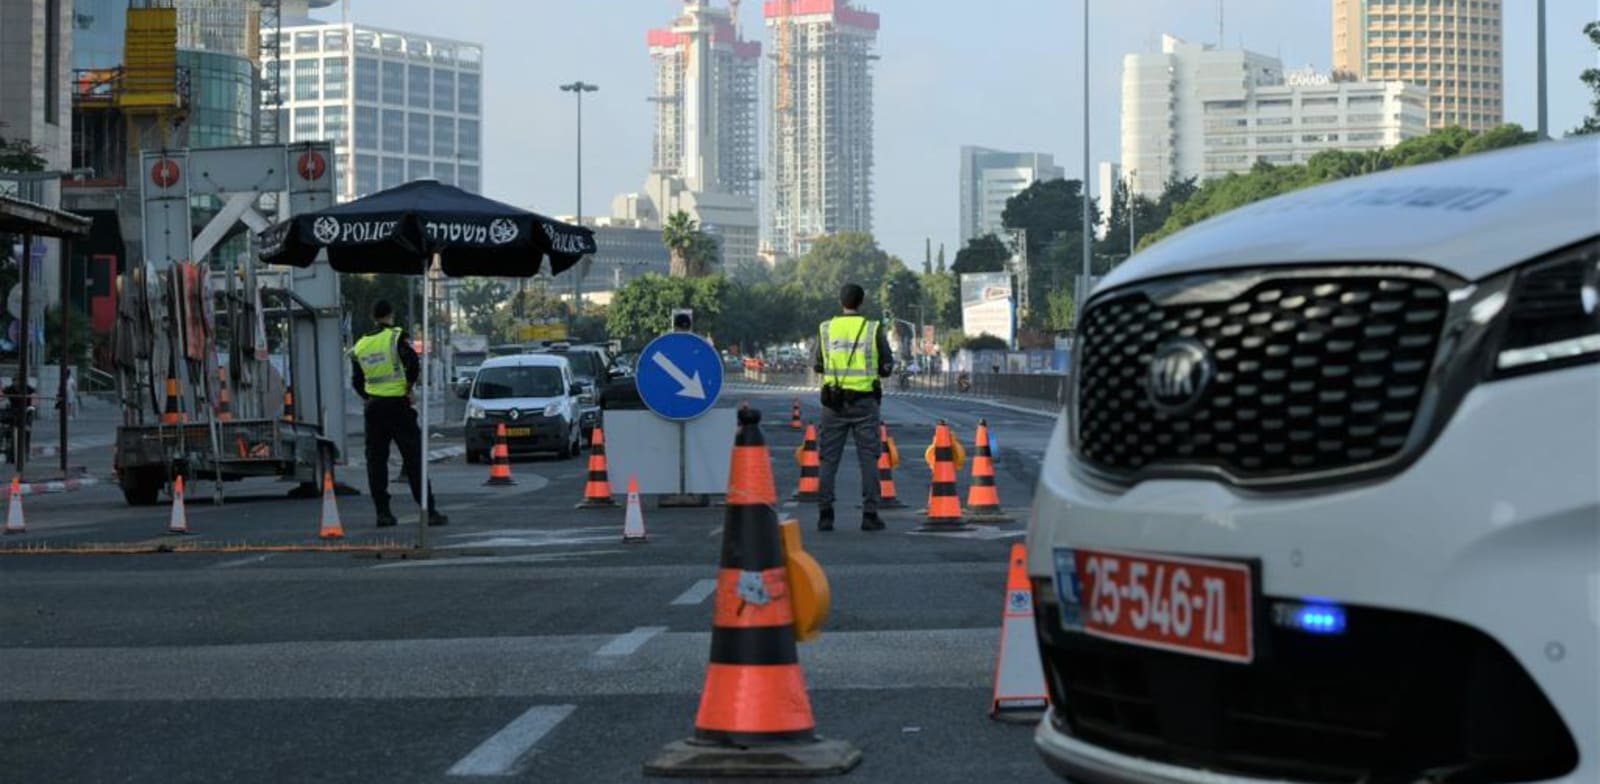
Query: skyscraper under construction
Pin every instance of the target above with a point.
(705, 101)
(820, 151)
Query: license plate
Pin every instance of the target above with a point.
(519, 431)
(1187, 605)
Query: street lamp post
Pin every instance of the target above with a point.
(1083, 292)
(578, 88)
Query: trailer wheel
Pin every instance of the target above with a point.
(142, 487)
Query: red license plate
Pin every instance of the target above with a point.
(1188, 605)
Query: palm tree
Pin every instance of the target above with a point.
(680, 234)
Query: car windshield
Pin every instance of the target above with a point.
(587, 364)
(499, 383)
(470, 358)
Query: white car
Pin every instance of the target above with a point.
(535, 396)
(1325, 504)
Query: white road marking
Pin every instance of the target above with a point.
(714, 532)
(254, 559)
(497, 559)
(499, 755)
(626, 644)
(697, 593)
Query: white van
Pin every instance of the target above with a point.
(1324, 504)
(534, 396)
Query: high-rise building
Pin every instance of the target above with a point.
(1452, 48)
(706, 101)
(820, 150)
(36, 107)
(1108, 175)
(1196, 111)
(989, 178)
(397, 106)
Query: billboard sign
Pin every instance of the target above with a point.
(988, 306)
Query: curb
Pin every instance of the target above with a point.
(45, 488)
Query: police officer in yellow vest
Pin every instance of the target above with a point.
(384, 368)
(852, 355)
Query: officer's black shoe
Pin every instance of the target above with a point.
(386, 520)
(825, 519)
(434, 518)
(870, 522)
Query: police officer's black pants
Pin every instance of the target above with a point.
(393, 419)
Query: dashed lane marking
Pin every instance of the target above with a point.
(626, 644)
(501, 754)
(698, 592)
(250, 561)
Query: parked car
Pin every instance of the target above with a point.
(1323, 503)
(589, 367)
(534, 396)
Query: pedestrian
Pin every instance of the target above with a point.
(852, 357)
(385, 367)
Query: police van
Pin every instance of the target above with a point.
(1324, 504)
(534, 396)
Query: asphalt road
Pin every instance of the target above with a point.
(531, 644)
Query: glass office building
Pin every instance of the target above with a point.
(397, 106)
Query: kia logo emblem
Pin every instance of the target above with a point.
(1179, 374)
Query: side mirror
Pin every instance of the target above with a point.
(463, 391)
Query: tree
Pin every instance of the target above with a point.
(693, 252)
(902, 293)
(1045, 210)
(479, 299)
(943, 294)
(643, 308)
(982, 254)
(1591, 79)
(834, 260)
(985, 342)
(360, 292)
(20, 155)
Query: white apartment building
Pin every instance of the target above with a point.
(989, 178)
(1196, 111)
(705, 101)
(397, 106)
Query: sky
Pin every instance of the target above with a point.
(1006, 74)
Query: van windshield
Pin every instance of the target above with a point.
(499, 383)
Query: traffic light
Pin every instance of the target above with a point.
(682, 320)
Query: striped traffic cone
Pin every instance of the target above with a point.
(332, 526)
(794, 416)
(983, 497)
(887, 497)
(810, 489)
(224, 397)
(500, 459)
(597, 490)
(944, 504)
(169, 412)
(1019, 692)
(288, 404)
(755, 717)
(15, 522)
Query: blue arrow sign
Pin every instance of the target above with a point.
(679, 376)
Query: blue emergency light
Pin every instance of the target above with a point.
(1312, 618)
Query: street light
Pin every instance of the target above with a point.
(578, 89)
(1083, 291)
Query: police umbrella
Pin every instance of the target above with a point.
(407, 229)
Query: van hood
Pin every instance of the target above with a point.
(524, 406)
(1472, 216)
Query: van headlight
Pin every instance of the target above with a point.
(476, 412)
(1551, 315)
(552, 410)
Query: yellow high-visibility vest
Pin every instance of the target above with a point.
(849, 352)
(378, 354)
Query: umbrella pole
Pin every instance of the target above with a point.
(427, 347)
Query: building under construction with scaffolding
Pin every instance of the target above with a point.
(819, 170)
(706, 101)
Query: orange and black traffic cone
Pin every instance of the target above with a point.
(755, 717)
(288, 404)
(224, 397)
(15, 522)
(887, 496)
(597, 490)
(1019, 691)
(794, 416)
(332, 526)
(810, 489)
(500, 458)
(983, 497)
(178, 523)
(169, 412)
(944, 503)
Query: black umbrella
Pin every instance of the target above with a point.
(404, 230)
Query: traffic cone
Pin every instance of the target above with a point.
(810, 489)
(500, 458)
(224, 398)
(944, 504)
(288, 404)
(15, 522)
(794, 416)
(887, 497)
(597, 491)
(332, 526)
(755, 717)
(169, 411)
(178, 523)
(1019, 691)
(633, 521)
(983, 497)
